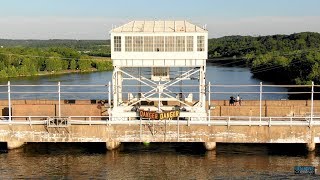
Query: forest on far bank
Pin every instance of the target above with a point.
(293, 58)
(88, 47)
(27, 61)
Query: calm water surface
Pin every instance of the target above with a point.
(156, 161)
(217, 75)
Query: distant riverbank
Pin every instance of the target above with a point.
(21, 61)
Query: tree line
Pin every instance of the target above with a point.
(291, 58)
(89, 47)
(27, 61)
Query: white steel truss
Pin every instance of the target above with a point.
(157, 91)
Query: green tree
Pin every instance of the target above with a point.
(53, 64)
(3, 73)
(12, 71)
(84, 63)
(73, 64)
(104, 65)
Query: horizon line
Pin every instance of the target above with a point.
(208, 38)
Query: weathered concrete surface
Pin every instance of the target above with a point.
(131, 133)
(52, 110)
(222, 108)
(115, 134)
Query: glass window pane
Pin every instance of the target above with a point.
(137, 43)
(170, 45)
(180, 43)
(148, 43)
(158, 43)
(160, 71)
(117, 43)
(200, 43)
(128, 43)
(189, 43)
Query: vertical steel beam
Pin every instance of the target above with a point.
(59, 97)
(311, 111)
(159, 97)
(109, 94)
(114, 87)
(202, 96)
(9, 101)
(209, 102)
(260, 103)
(119, 86)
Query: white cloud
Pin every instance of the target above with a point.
(98, 27)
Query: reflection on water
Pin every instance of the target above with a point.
(214, 74)
(156, 161)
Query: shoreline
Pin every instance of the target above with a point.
(54, 73)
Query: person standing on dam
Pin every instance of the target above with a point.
(238, 100)
(231, 101)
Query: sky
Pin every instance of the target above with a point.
(93, 19)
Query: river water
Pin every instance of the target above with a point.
(156, 160)
(216, 75)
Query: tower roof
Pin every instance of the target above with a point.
(159, 26)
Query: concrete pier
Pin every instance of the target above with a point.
(14, 144)
(210, 145)
(111, 145)
(114, 134)
(311, 146)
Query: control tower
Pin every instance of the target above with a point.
(159, 67)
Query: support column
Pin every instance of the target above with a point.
(311, 146)
(14, 144)
(114, 87)
(111, 145)
(202, 86)
(210, 145)
(119, 84)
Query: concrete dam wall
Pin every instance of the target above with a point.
(98, 108)
(102, 130)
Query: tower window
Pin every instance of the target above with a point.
(137, 43)
(189, 43)
(128, 44)
(159, 43)
(160, 73)
(180, 43)
(117, 43)
(200, 43)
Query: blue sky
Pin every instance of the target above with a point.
(91, 19)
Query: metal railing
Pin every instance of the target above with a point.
(210, 91)
(213, 120)
(56, 91)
